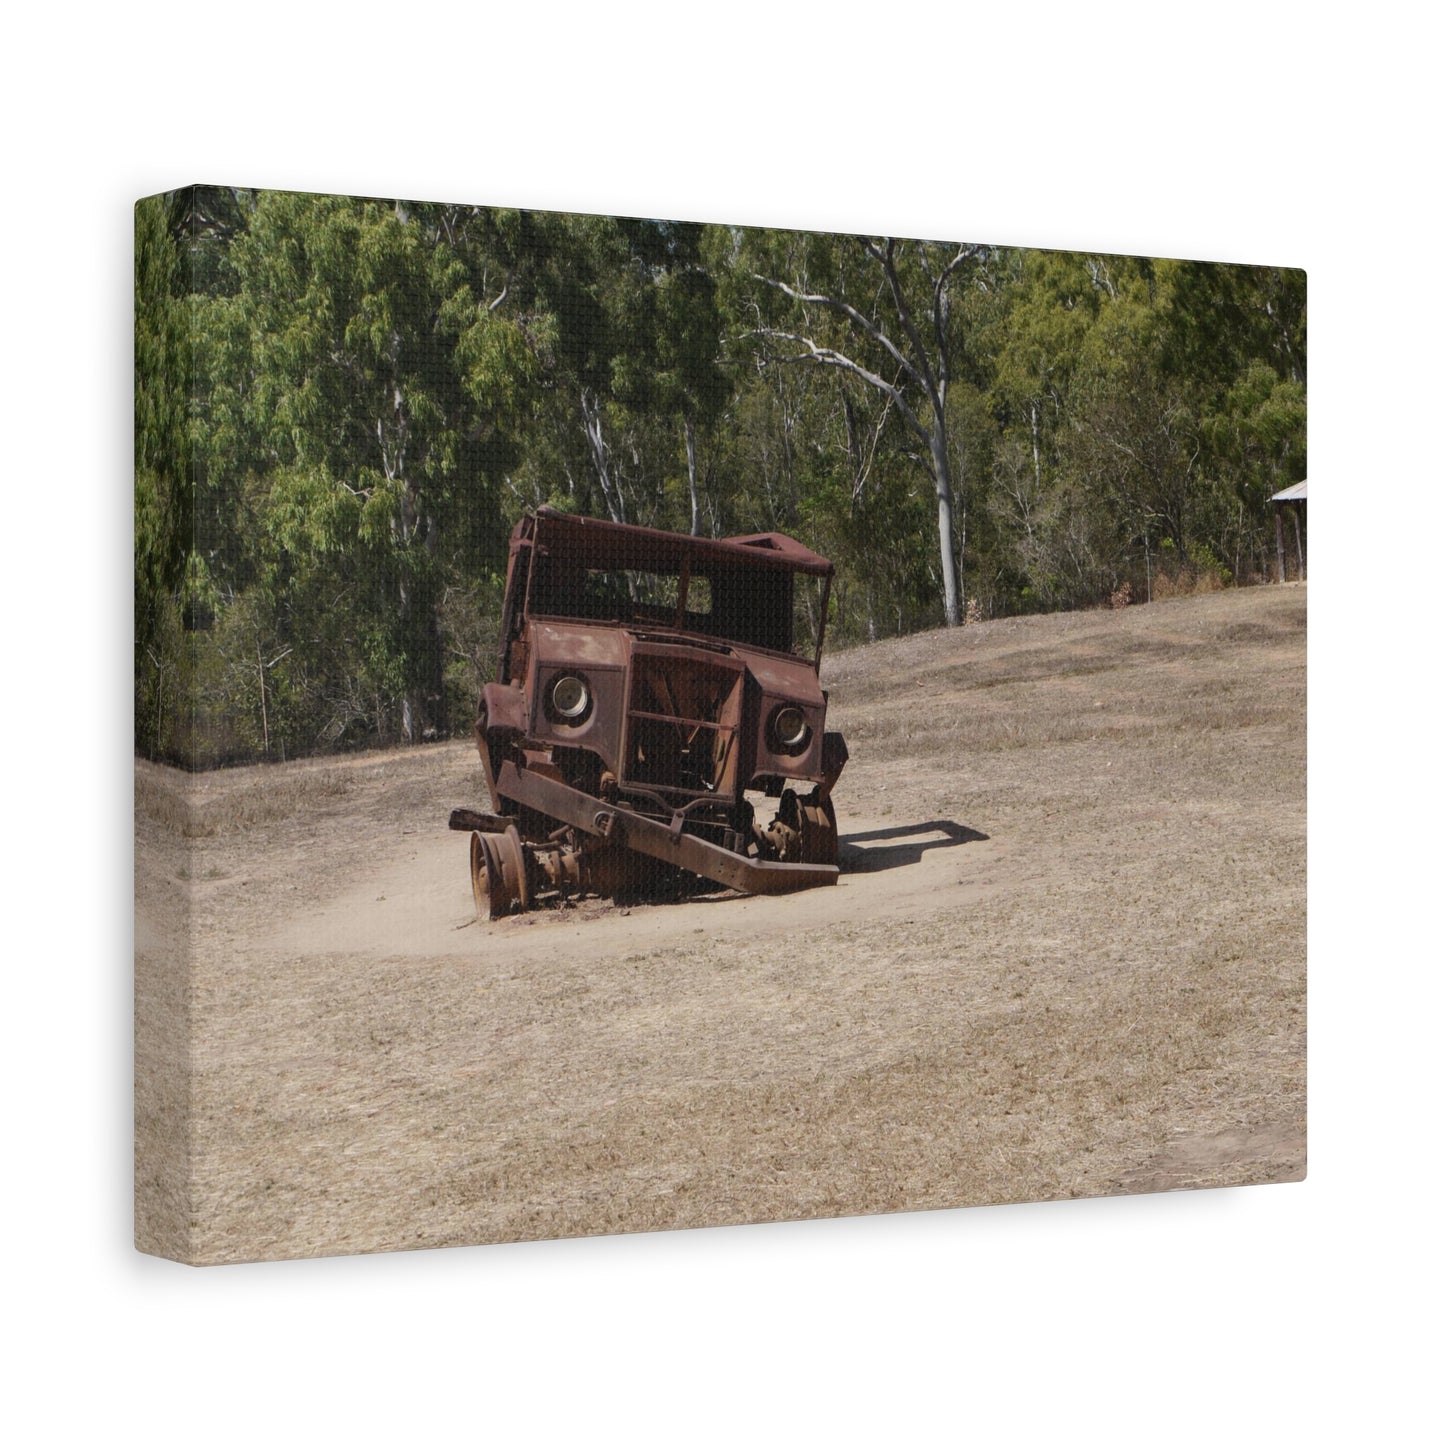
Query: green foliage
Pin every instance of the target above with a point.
(342, 406)
(164, 517)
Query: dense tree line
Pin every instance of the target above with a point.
(343, 405)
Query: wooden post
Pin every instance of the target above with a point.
(1299, 550)
(1279, 537)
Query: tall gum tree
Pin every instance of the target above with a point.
(164, 520)
(373, 371)
(900, 342)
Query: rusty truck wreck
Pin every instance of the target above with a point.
(647, 683)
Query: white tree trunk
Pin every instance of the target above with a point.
(592, 429)
(943, 484)
(690, 437)
(915, 366)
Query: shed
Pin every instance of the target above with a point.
(1294, 498)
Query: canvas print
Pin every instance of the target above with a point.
(645, 724)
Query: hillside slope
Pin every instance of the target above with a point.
(1066, 957)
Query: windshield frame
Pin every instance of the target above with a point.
(591, 545)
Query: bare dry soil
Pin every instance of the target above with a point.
(1066, 957)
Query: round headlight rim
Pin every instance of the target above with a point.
(789, 740)
(577, 711)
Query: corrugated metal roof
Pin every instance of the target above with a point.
(1295, 493)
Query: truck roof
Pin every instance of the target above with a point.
(610, 545)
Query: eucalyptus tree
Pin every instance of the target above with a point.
(361, 391)
(691, 383)
(898, 339)
(1188, 404)
(164, 517)
(624, 319)
(1239, 333)
(1046, 513)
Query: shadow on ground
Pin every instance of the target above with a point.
(854, 857)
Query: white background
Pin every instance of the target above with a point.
(1228, 132)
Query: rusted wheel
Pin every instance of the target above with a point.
(499, 874)
(817, 829)
(480, 878)
(806, 830)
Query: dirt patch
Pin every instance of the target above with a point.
(1066, 956)
(1195, 1161)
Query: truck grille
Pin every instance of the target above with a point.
(682, 722)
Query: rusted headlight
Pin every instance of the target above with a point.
(570, 697)
(790, 729)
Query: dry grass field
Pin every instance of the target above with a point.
(1066, 957)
